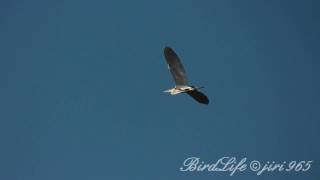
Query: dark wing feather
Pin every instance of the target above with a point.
(175, 67)
(198, 96)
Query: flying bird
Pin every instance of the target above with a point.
(180, 78)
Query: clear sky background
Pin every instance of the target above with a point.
(81, 87)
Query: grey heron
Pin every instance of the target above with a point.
(180, 78)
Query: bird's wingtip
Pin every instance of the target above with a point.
(167, 48)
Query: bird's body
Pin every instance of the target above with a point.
(179, 89)
(179, 75)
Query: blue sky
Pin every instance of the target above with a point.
(81, 87)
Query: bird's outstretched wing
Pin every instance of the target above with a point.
(175, 67)
(198, 96)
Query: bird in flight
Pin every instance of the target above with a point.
(179, 76)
